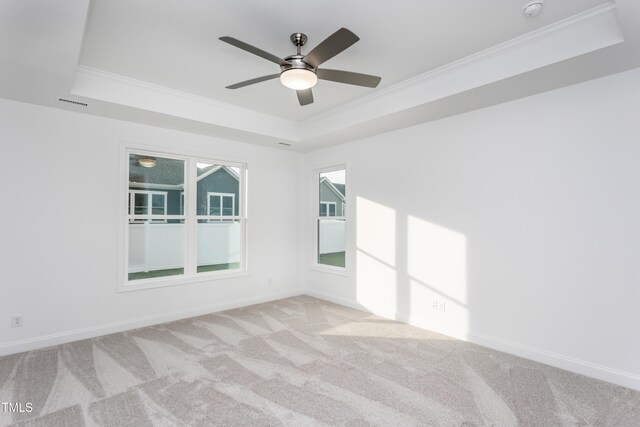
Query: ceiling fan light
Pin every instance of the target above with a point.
(147, 162)
(298, 79)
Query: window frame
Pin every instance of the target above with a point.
(189, 215)
(150, 193)
(221, 195)
(316, 218)
(335, 209)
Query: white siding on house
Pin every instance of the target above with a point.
(329, 195)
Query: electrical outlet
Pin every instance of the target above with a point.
(16, 321)
(270, 282)
(439, 305)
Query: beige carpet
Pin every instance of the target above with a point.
(299, 362)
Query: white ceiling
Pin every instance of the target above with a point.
(175, 44)
(160, 62)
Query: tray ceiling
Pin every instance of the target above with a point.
(160, 62)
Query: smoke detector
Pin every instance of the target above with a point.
(532, 8)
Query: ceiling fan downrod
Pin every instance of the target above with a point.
(298, 40)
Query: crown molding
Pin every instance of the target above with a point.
(118, 89)
(519, 42)
(579, 34)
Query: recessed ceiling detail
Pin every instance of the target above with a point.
(163, 64)
(595, 29)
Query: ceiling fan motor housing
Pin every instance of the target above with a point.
(296, 61)
(295, 73)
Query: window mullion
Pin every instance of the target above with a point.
(191, 226)
(242, 214)
(165, 197)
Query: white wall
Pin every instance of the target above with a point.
(59, 172)
(523, 218)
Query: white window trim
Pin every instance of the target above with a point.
(233, 203)
(315, 194)
(190, 220)
(137, 219)
(335, 209)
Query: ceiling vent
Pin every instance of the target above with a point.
(70, 101)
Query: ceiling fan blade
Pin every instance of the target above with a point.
(348, 77)
(305, 96)
(330, 47)
(253, 81)
(252, 49)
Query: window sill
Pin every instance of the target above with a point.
(338, 271)
(163, 282)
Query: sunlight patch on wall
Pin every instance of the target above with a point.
(437, 267)
(376, 230)
(376, 286)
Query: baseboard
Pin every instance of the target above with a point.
(604, 373)
(593, 370)
(110, 328)
(583, 367)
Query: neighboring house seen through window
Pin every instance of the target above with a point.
(185, 217)
(331, 220)
(328, 208)
(144, 202)
(221, 204)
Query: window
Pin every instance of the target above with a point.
(218, 195)
(327, 208)
(221, 204)
(184, 217)
(143, 202)
(330, 219)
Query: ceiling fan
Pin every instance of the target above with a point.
(300, 72)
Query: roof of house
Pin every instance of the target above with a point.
(210, 170)
(339, 189)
